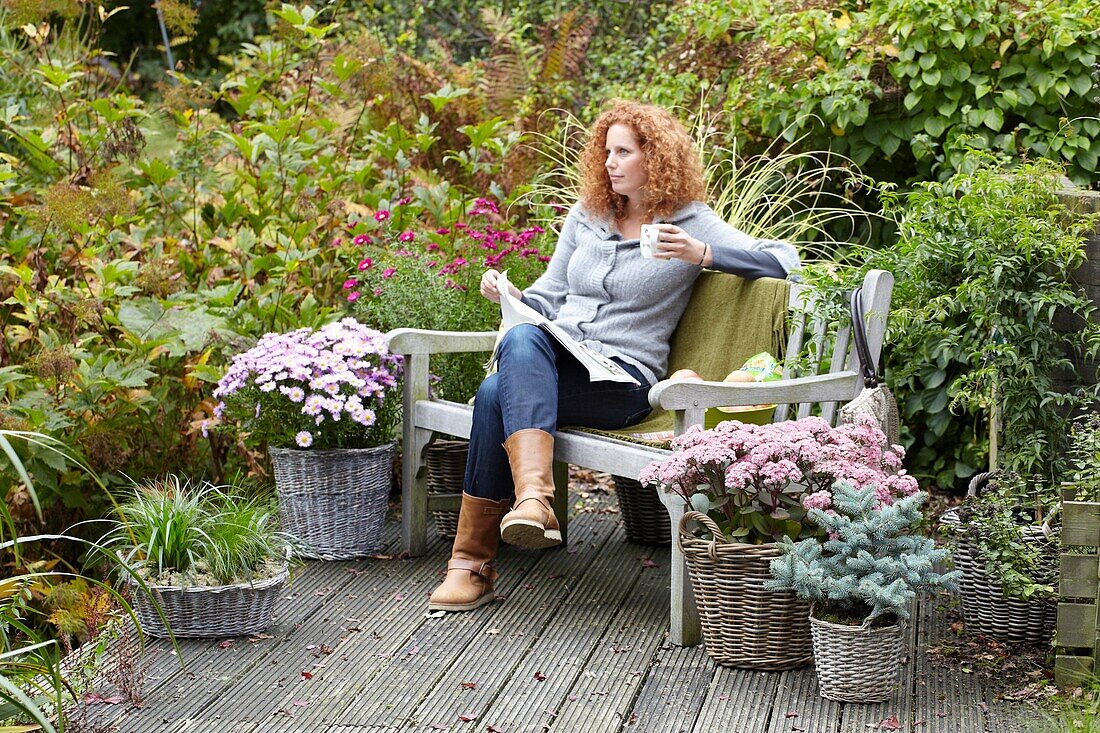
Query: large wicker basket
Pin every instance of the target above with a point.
(744, 624)
(856, 663)
(446, 466)
(197, 612)
(984, 605)
(645, 518)
(334, 501)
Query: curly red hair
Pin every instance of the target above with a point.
(671, 162)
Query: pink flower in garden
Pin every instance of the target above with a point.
(388, 273)
(361, 239)
(350, 283)
(484, 206)
(403, 200)
(406, 236)
(304, 439)
(818, 500)
(381, 215)
(336, 242)
(353, 296)
(377, 292)
(460, 225)
(442, 230)
(543, 258)
(432, 247)
(365, 263)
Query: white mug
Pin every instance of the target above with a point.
(648, 240)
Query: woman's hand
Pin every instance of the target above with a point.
(673, 243)
(489, 287)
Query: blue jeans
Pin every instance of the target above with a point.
(538, 384)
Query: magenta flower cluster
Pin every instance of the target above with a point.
(310, 385)
(768, 467)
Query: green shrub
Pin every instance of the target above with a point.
(981, 270)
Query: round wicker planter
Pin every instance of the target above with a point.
(984, 605)
(744, 624)
(856, 663)
(197, 612)
(645, 518)
(334, 501)
(446, 466)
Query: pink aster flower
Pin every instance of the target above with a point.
(365, 263)
(304, 439)
(406, 236)
(336, 242)
(381, 215)
(350, 283)
(353, 296)
(361, 239)
(388, 273)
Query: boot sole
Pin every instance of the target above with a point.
(487, 598)
(529, 534)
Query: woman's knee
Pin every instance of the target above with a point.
(488, 394)
(522, 339)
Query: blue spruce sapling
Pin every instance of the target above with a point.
(869, 567)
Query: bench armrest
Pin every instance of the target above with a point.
(422, 341)
(685, 395)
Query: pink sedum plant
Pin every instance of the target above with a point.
(330, 388)
(758, 481)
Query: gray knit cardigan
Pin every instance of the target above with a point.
(602, 292)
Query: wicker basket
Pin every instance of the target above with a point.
(856, 663)
(984, 605)
(446, 465)
(334, 501)
(197, 612)
(645, 518)
(744, 625)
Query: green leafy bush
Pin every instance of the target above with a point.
(982, 269)
(903, 87)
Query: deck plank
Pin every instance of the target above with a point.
(674, 691)
(738, 701)
(946, 700)
(398, 685)
(799, 707)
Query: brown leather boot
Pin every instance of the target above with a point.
(469, 581)
(532, 522)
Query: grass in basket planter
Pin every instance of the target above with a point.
(328, 389)
(179, 534)
(758, 481)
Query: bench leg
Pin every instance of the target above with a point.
(683, 615)
(414, 491)
(561, 499)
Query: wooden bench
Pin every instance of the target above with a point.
(828, 368)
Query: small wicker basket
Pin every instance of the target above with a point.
(197, 612)
(645, 518)
(334, 501)
(446, 466)
(984, 605)
(744, 624)
(856, 663)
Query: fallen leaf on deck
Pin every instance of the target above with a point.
(307, 675)
(790, 714)
(435, 614)
(540, 676)
(258, 637)
(95, 697)
(468, 685)
(300, 703)
(398, 596)
(647, 563)
(466, 718)
(225, 644)
(437, 726)
(890, 723)
(984, 706)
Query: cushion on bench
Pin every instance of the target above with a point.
(752, 316)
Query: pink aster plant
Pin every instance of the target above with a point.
(330, 388)
(758, 481)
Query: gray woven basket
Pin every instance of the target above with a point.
(744, 624)
(334, 501)
(645, 518)
(985, 607)
(856, 663)
(197, 612)
(446, 465)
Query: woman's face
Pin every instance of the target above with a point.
(625, 161)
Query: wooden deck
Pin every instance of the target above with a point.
(577, 644)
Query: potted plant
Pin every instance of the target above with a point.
(324, 403)
(211, 561)
(861, 582)
(404, 275)
(1007, 550)
(746, 485)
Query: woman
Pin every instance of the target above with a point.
(638, 167)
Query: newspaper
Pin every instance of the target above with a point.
(513, 312)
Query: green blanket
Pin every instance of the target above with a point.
(727, 320)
